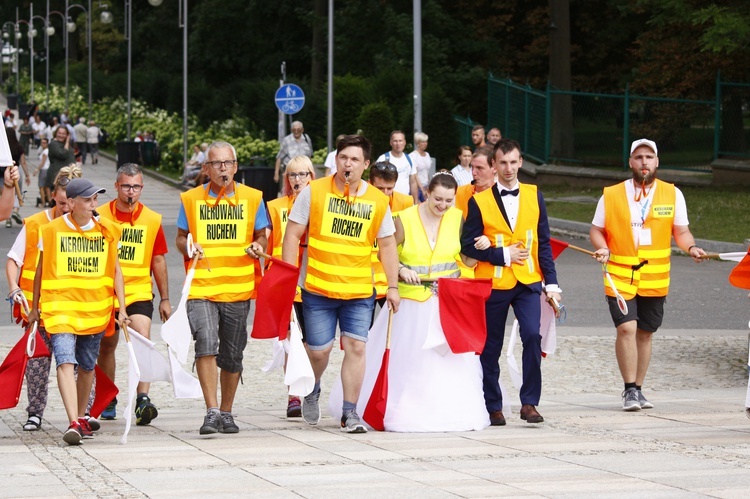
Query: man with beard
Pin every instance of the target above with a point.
(632, 232)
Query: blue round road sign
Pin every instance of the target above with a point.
(290, 99)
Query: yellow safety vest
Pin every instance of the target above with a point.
(643, 271)
(224, 229)
(136, 251)
(399, 201)
(30, 260)
(417, 254)
(500, 235)
(341, 236)
(78, 277)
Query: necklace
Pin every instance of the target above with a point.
(434, 223)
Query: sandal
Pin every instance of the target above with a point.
(33, 423)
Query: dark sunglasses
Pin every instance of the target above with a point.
(385, 166)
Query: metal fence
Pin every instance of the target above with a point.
(583, 128)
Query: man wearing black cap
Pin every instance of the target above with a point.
(76, 277)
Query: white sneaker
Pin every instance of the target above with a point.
(645, 404)
(630, 400)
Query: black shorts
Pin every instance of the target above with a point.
(300, 318)
(139, 308)
(648, 311)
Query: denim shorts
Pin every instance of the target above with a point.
(322, 314)
(77, 349)
(219, 329)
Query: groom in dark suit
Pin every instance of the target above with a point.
(519, 262)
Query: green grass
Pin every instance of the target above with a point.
(720, 214)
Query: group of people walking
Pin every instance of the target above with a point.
(357, 243)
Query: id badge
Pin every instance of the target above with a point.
(644, 237)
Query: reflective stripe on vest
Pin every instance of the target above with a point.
(77, 289)
(341, 237)
(644, 271)
(417, 254)
(398, 202)
(497, 231)
(136, 252)
(224, 230)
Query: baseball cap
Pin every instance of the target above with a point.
(644, 142)
(82, 187)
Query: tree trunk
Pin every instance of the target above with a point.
(562, 145)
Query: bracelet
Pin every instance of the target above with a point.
(9, 186)
(392, 287)
(691, 247)
(164, 299)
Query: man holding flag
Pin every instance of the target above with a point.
(228, 223)
(343, 217)
(513, 217)
(141, 253)
(632, 232)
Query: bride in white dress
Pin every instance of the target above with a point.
(430, 389)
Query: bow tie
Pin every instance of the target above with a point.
(506, 192)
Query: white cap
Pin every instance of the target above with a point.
(644, 142)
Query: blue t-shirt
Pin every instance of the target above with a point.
(261, 217)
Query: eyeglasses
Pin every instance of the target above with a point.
(63, 181)
(382, 166)
(216, 165)
(300, 175)
(133, 187)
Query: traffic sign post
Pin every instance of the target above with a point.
(290, 99)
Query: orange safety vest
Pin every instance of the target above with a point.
(341, 236)
(500, 235)
(463, 194)
(643, 271)
(78, 277)
(399, 201)
(30, 260)
(430, 263)
(136, 251)
(224, 229)
(278, 211)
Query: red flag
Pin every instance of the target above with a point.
(462, 316)
(273, 307)
(740, 275)
(105, 392)
(558, 247)
(13, 369)
(374, 414)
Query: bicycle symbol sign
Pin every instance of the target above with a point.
(290, 99)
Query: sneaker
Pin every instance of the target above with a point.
(73, 435)
(645, 404)
(16, 217)
(227, 423)
(145, 411)
(8, 224)
(86, 430)
(311, 408)
(294, 408)
(93, 422)
(211, 423)
(110, 413)
(630, 400)
(350, 423)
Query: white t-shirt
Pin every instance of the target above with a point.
(639, 210)
(39, 130)
(405, 170)
(423, 165)
(330, 162)
(44, 159)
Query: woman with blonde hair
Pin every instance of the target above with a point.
(20, 270)
(298, 174)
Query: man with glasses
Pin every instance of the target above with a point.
(295, 144)
(227, 222)
(142, 250)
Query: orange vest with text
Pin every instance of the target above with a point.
(500, 235)
(643, 271)
(340, 240)
(278, 212)
(224, 229)
(78, 277)
(398, 201)
(136, 251)
(30, 260)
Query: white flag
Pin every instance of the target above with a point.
(152, 364)
(6, 158)
(299, 373)
(280, 349)
(185, 386)
(134, 376)
(176, 331)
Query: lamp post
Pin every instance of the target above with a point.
(66, 24)
(5, 37)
